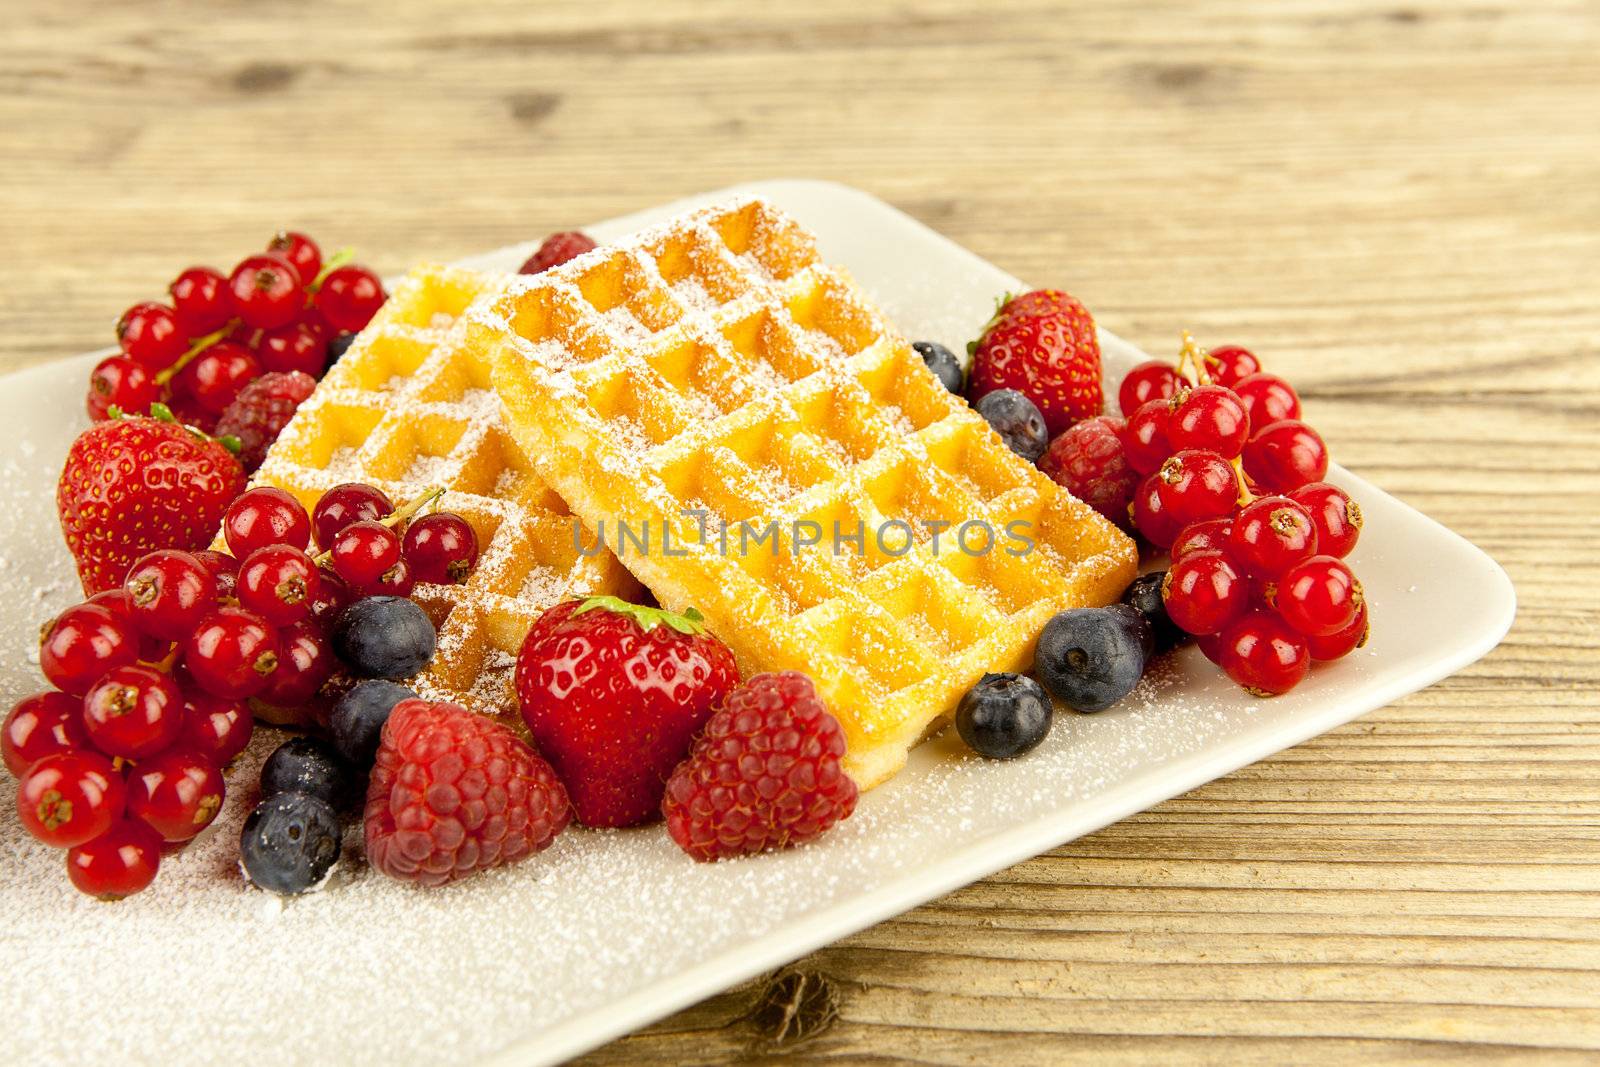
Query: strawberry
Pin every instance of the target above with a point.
(134, 485)
(614, 694)
(1043, 345)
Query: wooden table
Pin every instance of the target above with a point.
(1397, 203)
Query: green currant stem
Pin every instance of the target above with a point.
(340, 257)
(393, 520)
(199, 346)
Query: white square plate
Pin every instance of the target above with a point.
(608, 931)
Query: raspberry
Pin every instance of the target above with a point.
(452, 793)
(556, 250)
(261, 411)
(1090, 462)
(764, 775)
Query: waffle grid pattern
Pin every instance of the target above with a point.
(716, 366)
(408, 408)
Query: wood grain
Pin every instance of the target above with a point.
(1398, 203)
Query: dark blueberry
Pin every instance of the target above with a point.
(1144, 596)
(307, 765)
(358, 718)
(384, 637)
(1017, 421)
(1003, 716)
(337, 346)
(943, 362)
(1090, 658)
(289, 843)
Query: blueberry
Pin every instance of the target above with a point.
(943, 362)
(1017, 421)
(1003, 716)
(306, 765)
(1090, 658)
(289, 843)
(358, 718)
(384, 637)
(1144, 596)
(338, 345)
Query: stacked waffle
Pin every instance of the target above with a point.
(748, 432)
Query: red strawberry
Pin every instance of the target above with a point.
(1043, 345)
(614, 694)
(556, 250)
(134, 485)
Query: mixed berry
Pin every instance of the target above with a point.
(283, 311)
(156, 679)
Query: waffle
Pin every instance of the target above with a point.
(409, 408)
(714, 366)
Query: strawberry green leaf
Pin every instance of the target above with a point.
(690, 622)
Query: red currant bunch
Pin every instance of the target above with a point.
(1233, 488)
(281, 310)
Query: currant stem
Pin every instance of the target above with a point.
(393, 520)
(199, 346)
(340, 257)
(1192, 360)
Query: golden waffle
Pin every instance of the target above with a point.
(715, 364)
(408, 408)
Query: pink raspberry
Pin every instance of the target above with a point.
(453, 793)
(261, 411)
(1089, 462)
(764, 775)
(556, 250)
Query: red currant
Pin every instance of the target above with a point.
(1267, 398)
(82, 644)
(1145, 439)
(265, 516)
(232, 653)
(213, 379)
(1286, 455)
(1264, 655)
(200, 299)
(1207, 536)
(349, 297)
(1336, 517)
(333, 596)
(1341, 644)
(278, 583)
(1228, 364)
(1149, 514)
(345, 504)
(299, 250)
(363, 551)
(40, 726)
(1209, 417)
(1318, 596)
(1150, 380)
(398, 580)
(176, 794)
(224, 569)
(150, 334)
(1196, 485)
(169, 592)
(304, 664)
(151, 649)
(69, 798)
(215, 727)
(442, 548)
(1270, 535)
(265, 291)
(1204, 592)
(119, 863)
(133, 712)
(296, 346)
(121, 382)
(1210, 646)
